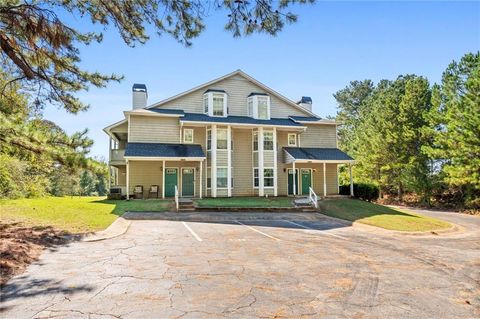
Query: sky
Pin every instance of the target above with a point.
(332, 44)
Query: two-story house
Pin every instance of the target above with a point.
(232, 136)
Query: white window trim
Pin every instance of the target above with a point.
(266, 187)
(273, 141)
(209, 96)
(254, 99)
(184, 135)
(288, 139)
(226, 168)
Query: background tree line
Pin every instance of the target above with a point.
(410, 137)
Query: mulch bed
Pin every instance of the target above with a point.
(20, 246)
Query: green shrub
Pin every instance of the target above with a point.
(363, 191)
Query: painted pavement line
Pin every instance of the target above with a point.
(191, 231)
(322, 232)
(258, 231)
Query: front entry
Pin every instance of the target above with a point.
(188, 182)
(290, 181)
(171, 177)
(306, 181)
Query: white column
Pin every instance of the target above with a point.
(110, 149)
(275, 190)
(351, 179)
(294, 179)
(201, 180)
(324, 180)
(261, 191)
(163, 179)
(229, 161)
(213, 169)
(128, 179)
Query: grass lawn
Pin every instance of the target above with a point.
(380, 216)
(245, 202)
(73, 214)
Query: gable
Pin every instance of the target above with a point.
(237, 87)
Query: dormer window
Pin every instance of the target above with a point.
(258, 106)
(215, 103)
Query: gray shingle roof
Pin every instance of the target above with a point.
(305, 118)
(322, 154)
(163, 150)
(196, 117)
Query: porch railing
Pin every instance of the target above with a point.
(117, 155)
(176, 198)
(313, 197)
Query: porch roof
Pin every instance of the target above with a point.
(234, 119)
(164, 150)
(307, 154)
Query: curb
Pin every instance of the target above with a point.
(117, 228)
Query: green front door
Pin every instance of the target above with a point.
(170, 181)
(188, 182)
(306, 181)
(290, 181)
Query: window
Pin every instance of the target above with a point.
(258, 106)
(268, 177)
(255, 141)
(263, 107)
(205, 103)
(221, 139)
(209, 139)
(222, 177)
(268, 141)
(292, 139)
(209, 177)
(215, 103)
(218, 104)
(188, 135)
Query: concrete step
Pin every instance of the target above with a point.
(188, 209)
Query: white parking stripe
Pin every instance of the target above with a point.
(322, 232)
(191, 231)
(256, 230)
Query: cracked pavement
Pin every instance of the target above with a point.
(324, 269)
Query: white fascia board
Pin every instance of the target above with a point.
(146, 158)
(301, 161)
(151, 113)
(108, 128)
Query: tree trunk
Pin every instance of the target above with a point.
(400, 192)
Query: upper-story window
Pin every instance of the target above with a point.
(258, 106)
(292, 139)
(215, 103)
(188, 135)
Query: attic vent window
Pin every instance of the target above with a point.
(215, 103)
(258, 106)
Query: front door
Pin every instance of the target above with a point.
(188, 187)
(170, 181)
(290, 181)
(306, 181)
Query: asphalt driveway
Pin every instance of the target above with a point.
(244, 268)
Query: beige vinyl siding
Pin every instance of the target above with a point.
(222, 158)
(147, 173)
(268, 158)
(154, 129)
(317, 176)
(319, 136)
(122, 180)
(242, 163)
(237, 88)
